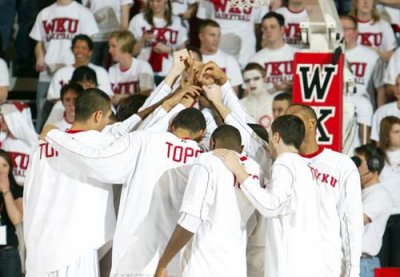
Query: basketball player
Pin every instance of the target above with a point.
(211, 217)
(290, 202)
(340, 192)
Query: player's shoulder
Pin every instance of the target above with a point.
(290, 160)
(337, 158)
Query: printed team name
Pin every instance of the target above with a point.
(163, 35)
(358, 70)
(60, 28)
(20, 162)
(231, 13)
(179, 153)
(279, 71)
(292, 33)
(46, 151)
(126, 87)
(371, 39)
(323, 177)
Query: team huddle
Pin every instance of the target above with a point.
(196, 200)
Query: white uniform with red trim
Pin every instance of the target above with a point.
(107, 14)
(20, 140)
(64, 74)
(55, 26)
(291, 204)
(340, 211)
(292, 26)
(237, 26)
(390, 109)
(4, 78)
(139, 77)
(173, 36)
(278, 63)
(228, 64)
(378, 35)
(218, 247)
(141, 158)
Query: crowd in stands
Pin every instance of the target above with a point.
(127, 49)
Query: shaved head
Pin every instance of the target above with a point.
(306, 111)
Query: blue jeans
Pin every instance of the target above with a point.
(10, 263)
(26, 10)
(368, 265)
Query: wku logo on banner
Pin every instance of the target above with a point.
(316, 81)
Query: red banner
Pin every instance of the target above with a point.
(319, 83)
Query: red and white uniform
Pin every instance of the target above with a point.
(393, 68)
(377, 205)
(390, 109)
(228, 64)
(64, 74)
(340, 211)
(139, 77)
(292, 26)
(237, 26)
(133, 154)
(107, 14)
(260, 108)
(173, 36)
(389, 179)
(291, 204)
(21, 140)
(361, 67)
(218, 247)
(4, 78)
(55, 26)
(376, 34)
(278, 63)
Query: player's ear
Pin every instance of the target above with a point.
(241, 148)
(212, 144)
(97, 116)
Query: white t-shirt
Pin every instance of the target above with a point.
(278, 63)
(132, 156)
(173, 35)
(107, 14)
(292, 26)
(390, 176)
(361, 67)
(139, 77)
(56, 26)
(340, 210)
(228, 64)
(63, 124)
(260, 108)
(4, 78)
(237, 26)
(181, 6)
(394, 17)
(218, 247)
(291, 204)
(377, 206)
(390, 109)
(393, 68)
(64, 74)
(378, 35)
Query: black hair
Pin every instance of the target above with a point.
(77, 88)
(260, 131)
(228, 137)
(374, 156)
(91, 101)
(130, 105)
(84, 73)
(190, 119)
(290, 128)
(277, 16)
(85, 38)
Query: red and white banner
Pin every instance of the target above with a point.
(319, 83)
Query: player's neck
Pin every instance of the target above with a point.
(81, 126)
(79, 63)
(283, 148)
(64, 2)
(309, 146)
(125, 63)
(182, 133)
(372, 182)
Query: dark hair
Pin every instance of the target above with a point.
(374, 156)
(208, 23)
(77, 88)
(228, 136)
(277, 16)
(190, 119)
(284, 96)
(195, 50)
(290, 128)
(91, 101)
(85, 38)
(255, 66)
(10, 162)
(84, 73)
(260, 131)
(148, 13)
(130, 105)
(308, 110)
(350, 18)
